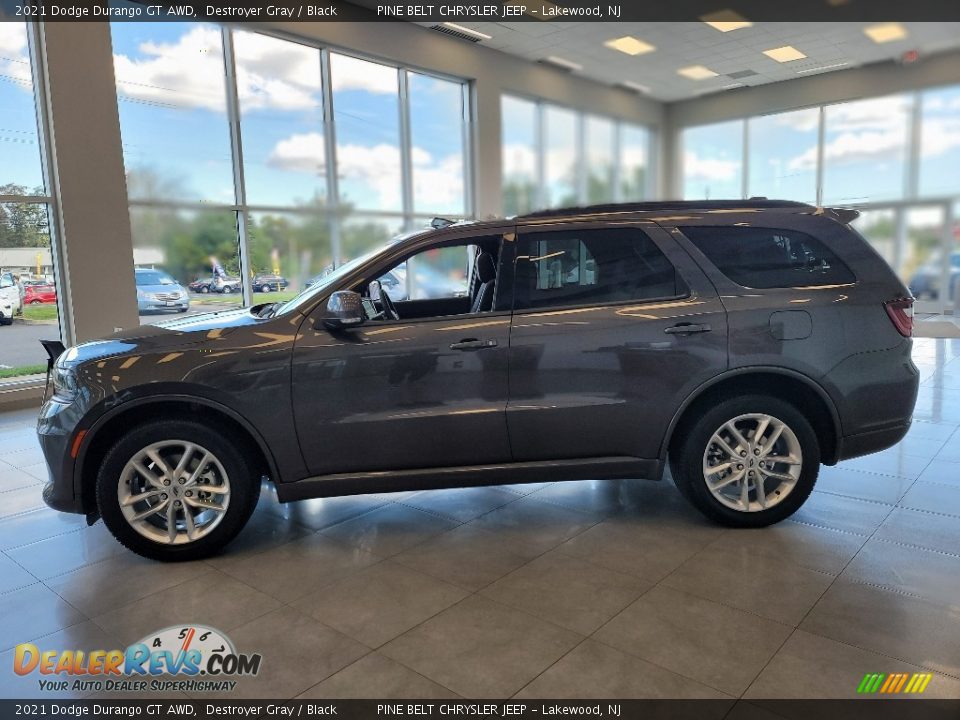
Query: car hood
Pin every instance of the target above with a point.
(166, 335)
(165, 288)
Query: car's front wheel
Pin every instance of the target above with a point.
(176, 490)
(747, 461)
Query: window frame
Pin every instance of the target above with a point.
(650, 229)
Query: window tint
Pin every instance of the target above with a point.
(591, 266)
(769, 258)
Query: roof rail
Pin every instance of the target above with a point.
(751, 204)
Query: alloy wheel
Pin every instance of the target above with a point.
(752, 462)
(174, 492)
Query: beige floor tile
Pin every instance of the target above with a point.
(12, 576)
(647, 553)
(460, 504)
(700, 639)
(263, 532)
(298, 568)
(64, 553)
(85, 636)
(567, 591)
(810, 666)
(128, 576)
(32, 612)
(35, 525)
(298, 652)
(533, 527)
(863, 485)
(889, 623)
(12, 478)
(773, 588)
(815, 548)
(842, 513)
(603, 497)
(945, 470)
(596, 670)
(467, 556)
(14, 502)
(377, 676)
(923, 529)
(389, 530)
(380, 602)
(933, 497)
(893, 461)
(933, 576)
(212, 599)
(321, 513)
(479, 648)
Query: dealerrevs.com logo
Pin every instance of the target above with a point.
(181, 657)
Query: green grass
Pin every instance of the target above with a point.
(40, 312)
(22, 370)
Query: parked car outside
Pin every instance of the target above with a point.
(158, 291)
(201, 285)
(226, 285)
(6, 310)
(11, 293)
(740, 343)
(925, 283)
(269, 283)
(39, 294)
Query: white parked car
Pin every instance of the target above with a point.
(11, 301)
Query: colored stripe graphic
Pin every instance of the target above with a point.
(906, 683)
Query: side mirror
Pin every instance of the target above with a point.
(344, 310)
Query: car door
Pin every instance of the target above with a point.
(613, 326)
(424, 391)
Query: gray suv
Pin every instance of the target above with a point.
(744, 343)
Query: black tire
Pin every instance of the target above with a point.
(694, 436)
(244, 488)
(205, 289)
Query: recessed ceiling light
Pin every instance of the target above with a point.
(562, 63)
(787, 53)
(696, 72)
(823, 68)
(636, 86)
(630, 45)
(885, 32)
(726, 20)
(468, 31)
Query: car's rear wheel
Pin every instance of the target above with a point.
(167, 497)
(747, 462)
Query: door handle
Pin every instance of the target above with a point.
(686, 329)
(473, 344)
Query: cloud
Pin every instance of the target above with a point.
(438, 181)
(271, 73)
(714, 169)
(14, 58)
(184, 74)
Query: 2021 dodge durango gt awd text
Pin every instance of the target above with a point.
(745, 343)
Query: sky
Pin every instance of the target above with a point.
(172, 99)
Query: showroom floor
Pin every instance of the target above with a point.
(602, 589)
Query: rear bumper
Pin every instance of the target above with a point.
(851, 446)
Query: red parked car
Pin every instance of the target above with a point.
(37, 294)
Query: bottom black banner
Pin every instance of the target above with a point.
(866, 708)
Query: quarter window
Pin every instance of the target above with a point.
(591, 266)
(768, 258)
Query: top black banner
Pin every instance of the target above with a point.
(492, 11)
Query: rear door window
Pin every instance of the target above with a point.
(764, 258)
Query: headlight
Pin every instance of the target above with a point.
(64, 383)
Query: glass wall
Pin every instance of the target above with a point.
(553, 156)
(333, 155)
(895, 158)
(28, 289)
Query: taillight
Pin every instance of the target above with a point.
(901, 315)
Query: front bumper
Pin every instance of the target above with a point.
(153, 305)
(56, 430)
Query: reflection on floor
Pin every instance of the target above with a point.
(938, 326)
(605, 589)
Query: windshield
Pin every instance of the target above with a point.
(154, 277)
(324, 281)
